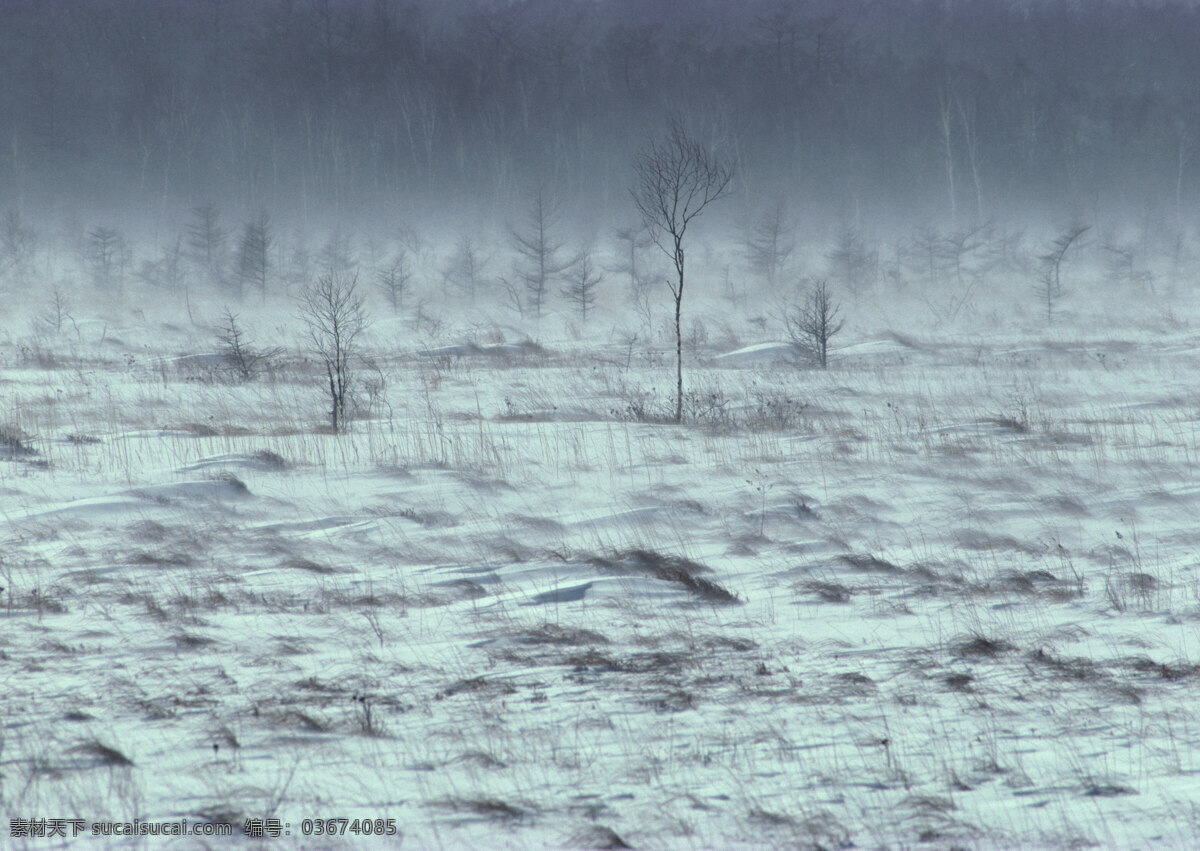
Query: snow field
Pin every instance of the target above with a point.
(944, 593)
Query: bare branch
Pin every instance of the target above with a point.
(333, 310)
(1049, 288)
(677, 179)
(812, 325)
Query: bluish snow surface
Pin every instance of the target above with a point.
(945, 592)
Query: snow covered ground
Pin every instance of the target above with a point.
(946, 593)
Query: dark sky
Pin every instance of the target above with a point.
(898, 110)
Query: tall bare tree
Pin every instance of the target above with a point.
(632, 240)
(1049, 288)
(539, 249)
(334, 313)
(108, 255)
(676, 179)
(583, 278)
(394, 279)
(18, 243)
(850, 259)
(769, 245)
(206, 239)
(945, 116)
(466, 267)
(254, 253)
(924, 253)
(336, 258)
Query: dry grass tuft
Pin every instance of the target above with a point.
(220, 814)
(828, 592)
(309, 566)
(869, 564)
(597, 836)
(959, 682)
(269, 460)
(554, 634)
(238, 486)
(1171, 673)
(190, 641)
(1107, 790)
(1078, 669)
(40, 601)
(669, 569)
(659, 662)
(980, 646)
(298, 718)
(721, 642)
(676, 700)
(477, 685)
(490, 808)
(14, 443)
(102, 754)
(143, 558)
(481, 759)
(769, 818)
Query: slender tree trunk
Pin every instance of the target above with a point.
(678, 360)
(679, 334)
(970, 134)
(333, 414)
(948, 149)
(676, 181)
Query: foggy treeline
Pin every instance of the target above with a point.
(899, 109)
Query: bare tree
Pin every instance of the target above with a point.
(1186, 143)
(1119, 262)
(333, 311)
(539, 249)
(676, 179)
(336, 258)
(108, 255)
(206, 238)
(300, 265)
(970, 132)
(466, 268)
(850, 259)
(582, 280)
(924, 253)
(18, 243)
(512, 295)
(254, 253)
(632, 241)
(945, 116)
(812, 325)
(243, 358)
(394, 280)
(958, 249)
(1049, 288)
(769, 245)
(57, 312)
(167, 272)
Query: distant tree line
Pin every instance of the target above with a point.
(960, 111)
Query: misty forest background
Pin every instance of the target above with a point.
(122, 118)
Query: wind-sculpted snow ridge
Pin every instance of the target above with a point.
(942, 594)
(683, 571)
